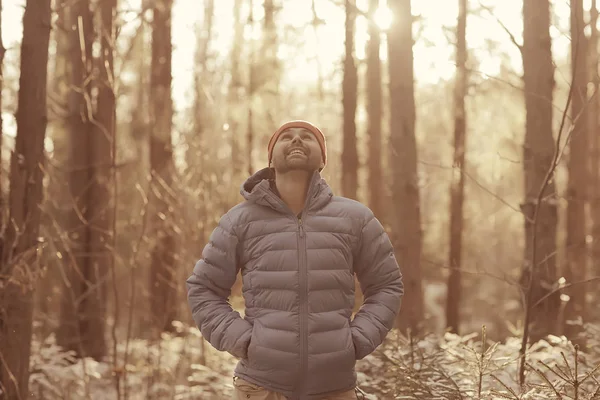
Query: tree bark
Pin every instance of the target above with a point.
(594, 136)
(2, 51)
(577, 177)
(457, 184)
(251, 92)
(270, 70)
(19, 258)
(83, 302)
(235, 88)
(407, 232)
(374, 115)
(538, 153)
(316, 21)
(349, 100)
(57, 201)
(101, 205)
(163, 278)
(196, 156)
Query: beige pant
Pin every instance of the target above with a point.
(243, 390)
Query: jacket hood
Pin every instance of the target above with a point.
(257, 189)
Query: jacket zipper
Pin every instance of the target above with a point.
(303, 282)
(303, 270)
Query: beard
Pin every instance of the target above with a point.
(297, 164)
(286, 163)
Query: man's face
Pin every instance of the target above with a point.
(296, 149)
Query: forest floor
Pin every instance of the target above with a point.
(176, 371)
(182, 366)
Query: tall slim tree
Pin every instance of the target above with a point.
(163, 277)
(270, 69)
(82, 326)
(57, 199)
(235, 89)
(576, 259)
(594, 136)
(251, 91)
(315, 23)
(457, 184)
(407, 232)
(19, 256)
(2, 51)
(101, 207)
(349, 100)
(539, 272)
(195, 155)
(374, 115)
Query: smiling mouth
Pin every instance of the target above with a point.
(296, 152)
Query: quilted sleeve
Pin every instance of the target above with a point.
(208, 290)
(381, 283)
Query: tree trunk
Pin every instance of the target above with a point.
(538, 152)
(251, 93)
(101, 205)
(594, 136)
(403, 163)
(374, 115)
(270, 70)
(316, 21)
(19, 258)
(137, 294)
(235, 88)
(2, 51)
(57, 201)
(82, 325)
(196, 156)
(349, 93)
(163, 278)
(457, 184)
(140, 125)
(578, 180)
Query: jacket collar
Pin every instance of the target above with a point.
(257, 189)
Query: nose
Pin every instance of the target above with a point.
(297, 139)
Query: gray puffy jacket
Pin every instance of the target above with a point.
(298, 337)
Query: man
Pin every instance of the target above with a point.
(298, 247)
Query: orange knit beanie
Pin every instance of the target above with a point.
(299, 124)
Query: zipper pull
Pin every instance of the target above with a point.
(300, 227)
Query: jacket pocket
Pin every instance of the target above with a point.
(351, 345)
(251, 352)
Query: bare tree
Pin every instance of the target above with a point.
(539, 267)
(576, 259)
(315, 23)
(251, 92)
(235, 90)
(2, 51)
(457, 184)
(407, 232)
(83, 319)
(349, 100)
(196, 153)
(18, 270)
(270, 68)
(103, 186)
(163, 278)
(374, 115)
(594, 137)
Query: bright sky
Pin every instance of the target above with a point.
(433, 57)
